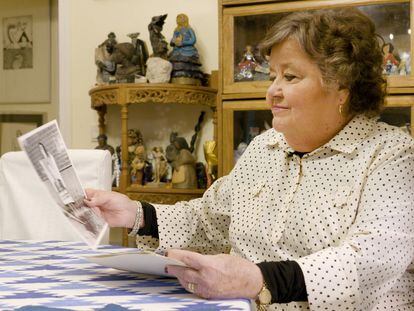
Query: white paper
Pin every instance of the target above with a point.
(136, 261)
(48, 154)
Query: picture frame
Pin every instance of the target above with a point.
(14, 125)
(25, 52)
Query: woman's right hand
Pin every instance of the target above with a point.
(116, 208)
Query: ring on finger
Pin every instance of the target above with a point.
(191, 287)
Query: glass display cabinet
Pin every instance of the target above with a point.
(245, 119)
(246, 71)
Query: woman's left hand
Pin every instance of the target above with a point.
(217, 276)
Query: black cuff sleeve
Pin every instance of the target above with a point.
(285, 280)
(150, 219)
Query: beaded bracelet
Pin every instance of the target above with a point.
(138, 217)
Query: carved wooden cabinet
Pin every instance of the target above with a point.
(129, 94)
(243, 112)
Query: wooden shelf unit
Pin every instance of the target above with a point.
(126, 94)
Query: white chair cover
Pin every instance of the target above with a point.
(27, 209)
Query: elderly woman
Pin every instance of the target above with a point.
(319, 211)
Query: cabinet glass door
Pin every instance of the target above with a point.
(246, 71)
(242, 122)
(399, 111)
(398, 116)
(245, 119)
(247, 125)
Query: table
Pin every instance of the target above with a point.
(53, 274)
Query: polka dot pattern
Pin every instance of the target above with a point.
(344, 212)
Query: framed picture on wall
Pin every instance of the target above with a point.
(25, 52)
(14, 125)
(17, 42)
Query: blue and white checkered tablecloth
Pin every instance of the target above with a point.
(53, 274)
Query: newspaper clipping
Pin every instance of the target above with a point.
(48, 154)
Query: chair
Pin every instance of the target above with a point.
(27, 209)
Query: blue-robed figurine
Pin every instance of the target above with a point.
(184, 56)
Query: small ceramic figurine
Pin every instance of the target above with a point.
(184, 175)
(106, 67)
(134, 140)
(103, 144)
(136, 155)
(182, 162)
(210, 154)
(141, 54)
(158, 42)
(201, 176)
(124, 58)
(168, 174)
(148, 170)
(158, 68)
(407, 59)
(160, 164)
(137, 165)
(247, 65)
(262, 70)
(391, 59)
(402, 68)
(184, 56)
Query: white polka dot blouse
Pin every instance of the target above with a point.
(344, 212)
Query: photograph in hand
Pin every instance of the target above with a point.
(48, 154)
(84, 219)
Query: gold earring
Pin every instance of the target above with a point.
(341, 110)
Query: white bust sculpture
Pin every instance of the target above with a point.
(158, 70)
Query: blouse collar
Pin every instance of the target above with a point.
(345, 141)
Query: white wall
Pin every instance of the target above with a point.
(89, 23)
